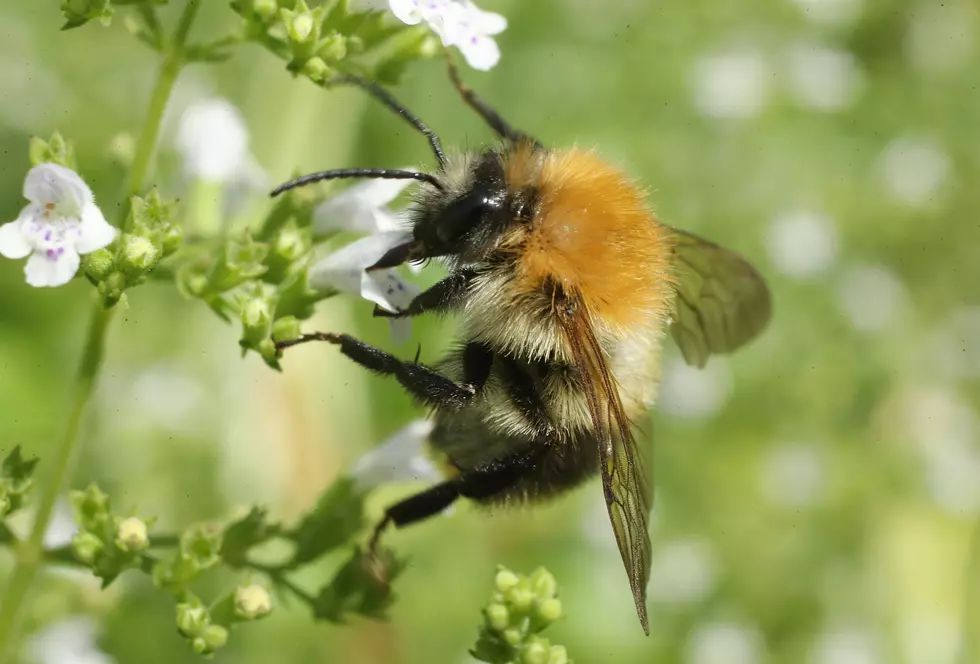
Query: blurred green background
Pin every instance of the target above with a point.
(816, 492)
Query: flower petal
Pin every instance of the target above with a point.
(94, 232)
(406, 11)
(487, 23)
(481, 52)
(213, 140)
(342, 270)
(401, 458)
(13, 241)
(54, 270)
(360, 208)
(387, 290)
(53, 184)
(400, 330)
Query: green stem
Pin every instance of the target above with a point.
(29, 552)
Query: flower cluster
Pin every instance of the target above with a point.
(521, 608)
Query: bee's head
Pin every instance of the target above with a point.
(469, 216)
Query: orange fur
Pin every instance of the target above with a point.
(593, 235)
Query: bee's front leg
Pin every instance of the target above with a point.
(442, 296)
(421, 381)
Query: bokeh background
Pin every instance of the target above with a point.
(816, 492)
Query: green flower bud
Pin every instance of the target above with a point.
(99, 264)
(252, 601)
(535, 652)
(86, 546)
(201, 545)
(192, 618)
(79, 12)
(333, 48)
(558, 655)
(90, 507)
(549, 610)
(215, 636)
(265, 9)
(497, 616)
(286, 328)
(543, 583)
(316, 69)
(173, 237)
(505, 580)
(111, 289)
(131, 534)
(138, 255)
(302, 25)
(513, 636)
(520, 597)
(256, 321)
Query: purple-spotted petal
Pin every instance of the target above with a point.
(481, 52)
(387, 290)
(13, 241)
(62, 189)
(343, 269)
(52, 267)
(94, 232)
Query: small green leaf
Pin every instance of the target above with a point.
(362, 586)
(336, 519)
(245, 533)
(18, 470)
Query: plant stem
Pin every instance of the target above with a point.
(29, 552)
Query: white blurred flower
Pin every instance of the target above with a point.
(831, 13)
(61, 222)
(61, 527)
(725, 643)
(361, 208)
(794, 475)
(213, 141)
(942, 36)
(848, 645)
(401, 458)
(822, 78)
(345, 270)
(913, 168)
(682, 572)
(731, 85)
(802, 243)
(872, 297)
(458, 23)
(70, 641)
(686, 391)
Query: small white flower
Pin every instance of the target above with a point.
(345, 271)
(401, 458)
(71, 641)
(360, 208)
(252, 601)
(213, 140)
(61, 222)
(458, 23)
(131, 534)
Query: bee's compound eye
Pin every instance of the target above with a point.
(466, 212)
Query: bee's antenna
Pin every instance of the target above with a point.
(378, 173)
(388, 100)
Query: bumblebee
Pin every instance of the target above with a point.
(566, 285)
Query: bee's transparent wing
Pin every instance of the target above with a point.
(625, 477)
(722, 301)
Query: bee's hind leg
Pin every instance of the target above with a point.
(421, 381)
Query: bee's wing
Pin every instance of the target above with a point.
(625, 480)
(722, 301)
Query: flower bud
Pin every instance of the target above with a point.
(513, 636)
(316, 69)
(549, 610)
(535, 651)
(86, 546)
(558, 655)
(543, 583)
(520, 598)
(99, 264)
(286, 328)
(90, 507)
(252, 601)
(131, 534)
(192, 618)
(333, 48)
(265, 9)
(497, 616)
(215, 636)
(138, 255)
(256, 321)
(111, 288)
(172, 239)
(505, 580)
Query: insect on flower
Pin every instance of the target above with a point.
(566, 284)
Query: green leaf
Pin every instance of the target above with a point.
(336, 519)
(242, 535)
(18, 470)
(362, 586)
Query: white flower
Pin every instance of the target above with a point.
(360, 208)
(401, 458)
(458, 23)
(345, 271)
(61, 222)
(252, 601)
(70, 641)
(213, 141)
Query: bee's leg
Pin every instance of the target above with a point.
(480, 483)
(490, 116)
(443, 296)
(421, 381)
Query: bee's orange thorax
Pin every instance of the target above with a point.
(593, 235)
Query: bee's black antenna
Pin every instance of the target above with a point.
(388, 100)
(378, 173)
